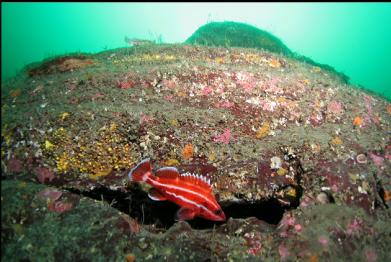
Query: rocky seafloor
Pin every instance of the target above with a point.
(298, 159)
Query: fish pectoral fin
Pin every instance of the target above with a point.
(185, 214)
(156, 195)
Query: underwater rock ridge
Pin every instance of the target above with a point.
(298, 160)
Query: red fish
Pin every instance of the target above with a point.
(190, 191)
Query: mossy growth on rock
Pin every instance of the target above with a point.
(344, 78)
(233, 34)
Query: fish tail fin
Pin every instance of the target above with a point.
(141, 172)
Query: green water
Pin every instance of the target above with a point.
(354, 38)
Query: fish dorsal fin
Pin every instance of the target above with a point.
(167, 172)
(196, 179)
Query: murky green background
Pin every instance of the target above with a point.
(354, 38)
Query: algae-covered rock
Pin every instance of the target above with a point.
(285, 144)
(47, 224)
(234, 34)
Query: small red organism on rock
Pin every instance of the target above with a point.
(298, 228)
(169, 83)
(335, 108)
(145, 118)
(44, 174)
(371, 255)
(50, 194)
(206, 91)
(355, 226)
(59, 206)
(125, 84)
(377, 160)
(225, 104)
(283, 251)
(15, 165)
(96, 96)
(323, 241)
(224, 137)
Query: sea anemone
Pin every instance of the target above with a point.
(361, 159)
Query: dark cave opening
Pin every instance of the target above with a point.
(161, 214)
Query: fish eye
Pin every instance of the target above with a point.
(218, 212)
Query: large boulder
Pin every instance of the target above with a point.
(299, 160)
(234, 34)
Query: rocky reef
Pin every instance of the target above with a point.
(299, 160)
(235, 34)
